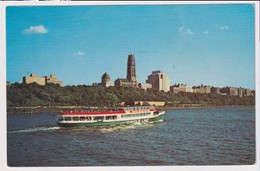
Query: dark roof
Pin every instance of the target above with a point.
(105, 75)
(122, 80)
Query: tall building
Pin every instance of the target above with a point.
(130, 80)
(131, 71)
(159, 81)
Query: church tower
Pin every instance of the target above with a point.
(131, 72)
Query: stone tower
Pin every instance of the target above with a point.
(105, 78)
(131, 72)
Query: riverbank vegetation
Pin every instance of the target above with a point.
(22, 95)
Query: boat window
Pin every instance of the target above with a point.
(125, 116)
(82, 118)
(60, 118)
(67, 118)
(88, 118)
(111, 117)
(75, 118)
(98, 117)
(155, 113)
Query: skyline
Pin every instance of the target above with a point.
(192, 44)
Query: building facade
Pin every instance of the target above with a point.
(159, 81)
(215, 90)
(231, 91)
(123, 82)
(152, 103)
(52, 79)
(240, 92)
(41, 80)
(247, 92)
(34, 79)
(181, 88)
(145, 86)
(202, 89)
(253, 93)
(105, 80)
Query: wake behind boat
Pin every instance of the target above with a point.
(110, 117)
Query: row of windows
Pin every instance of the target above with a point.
(99, 118)
(138, 108)
(86, 118)
(134, 115)
(75, 118)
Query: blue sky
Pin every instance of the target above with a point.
(192, 44)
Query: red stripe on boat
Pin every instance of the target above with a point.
(91, 113)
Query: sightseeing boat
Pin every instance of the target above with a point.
(109, 117)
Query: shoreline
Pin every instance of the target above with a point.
(202, 107)
(57, 109)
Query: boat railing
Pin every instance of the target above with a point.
(121, 109)
(94, 110)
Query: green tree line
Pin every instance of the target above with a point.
(21, 95)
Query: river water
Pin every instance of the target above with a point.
(222, 136)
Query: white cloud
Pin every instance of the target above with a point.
(79, 53)
(206, 32)
(224, 27)
(181, 28)
(40, 29)
(186, 31)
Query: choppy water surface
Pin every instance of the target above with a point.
(223, 136)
